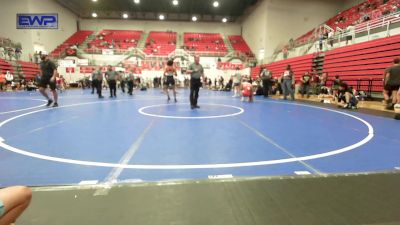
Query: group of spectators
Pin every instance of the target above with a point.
(9, 83)
(343, 94)
(10, 53)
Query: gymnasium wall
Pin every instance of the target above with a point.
(38, 39)
(274, 22)
(146, 26)
(347, 4)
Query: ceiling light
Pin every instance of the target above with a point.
(161, 17)
(194, 19)
(224, 20)
(125, 15)
(94, 15)
(94, 0)
(175, 2)
(136, 1)
(216, 4)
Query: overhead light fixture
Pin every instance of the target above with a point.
(194, 18)
(161, 17)
(175, 2)
(94, 0)
(125, 15)
(136, 1)
(224, 20)
(216, 4)
(94, 15)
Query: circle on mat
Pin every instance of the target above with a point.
(23, 109)
(360, 143)
(207, 111)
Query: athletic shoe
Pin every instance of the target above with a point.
(390, 107)
(55, 104)
(49, 102)
(192, 107)
(176, 101)
(101, 97)
(111, 96)
(197, 107)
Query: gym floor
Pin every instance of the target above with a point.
(145, 138)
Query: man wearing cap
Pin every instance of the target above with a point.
(196, 71)
(48, 72)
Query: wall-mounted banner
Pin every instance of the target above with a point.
(37, 21)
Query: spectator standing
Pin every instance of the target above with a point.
(2, 52)
(330, 38)
(18, 52)
(10, 52)
(288, 81)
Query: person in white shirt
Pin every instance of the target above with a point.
(9, 79)
(237, 78)
(330, 38)
(2, 52)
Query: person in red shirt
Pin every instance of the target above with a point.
(2, 80)
(247, 90)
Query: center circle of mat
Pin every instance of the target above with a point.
(204, 109)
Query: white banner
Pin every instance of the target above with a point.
(66, 63)
(108, 51)
(83, 62)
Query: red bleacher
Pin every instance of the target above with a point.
(160, 43)
(29, 69)
(122, 39)
(77, 38)
(239, 44)
(299, 65)
(354, 16)
(4, 66)
(366, 61)
(204, 42)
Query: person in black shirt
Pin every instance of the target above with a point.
(266, 77)
(346, 98)
(97, 77)
(48, 71)
(391, 84)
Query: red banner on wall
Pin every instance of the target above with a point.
(229, 66)
(70, 69)
(86, 69)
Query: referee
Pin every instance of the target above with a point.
(48, 72)
(196, 71)
(111, 77)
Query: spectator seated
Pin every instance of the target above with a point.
(116, 39)
(204, 42)
(160, 43)
(239, 44)
(75, 40)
